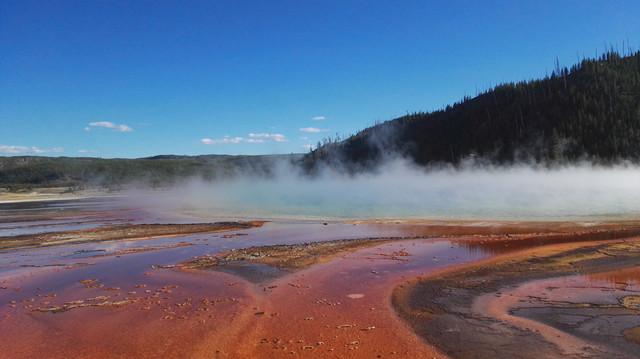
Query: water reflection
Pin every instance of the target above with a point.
(629, 277)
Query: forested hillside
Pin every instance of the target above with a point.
(31, 171)
(590, 111)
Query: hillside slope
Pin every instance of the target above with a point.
(588, 112)
(35, 171)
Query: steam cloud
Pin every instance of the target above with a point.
(401, 190)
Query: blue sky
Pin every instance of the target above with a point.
(140, 78)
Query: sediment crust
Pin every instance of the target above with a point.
(286, 257)
(119, 232)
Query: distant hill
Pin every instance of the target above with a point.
(588, 112)
(34, 171)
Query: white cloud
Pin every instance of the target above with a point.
(251, 138)
(87, 151)
(27, 150)
(313, 129)
(110, 125)
(307, 146)
(224, 140)
(318, 118)
(277, 137)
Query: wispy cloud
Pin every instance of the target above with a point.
(307, 146)
(28, 150)
(224, 140)
(110, 125)
(278, 137)
(313, 129)
(251, 138)
(318, 118)
(87, 151)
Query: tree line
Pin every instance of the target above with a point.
(590, 111)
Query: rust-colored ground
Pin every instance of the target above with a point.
(281, 296)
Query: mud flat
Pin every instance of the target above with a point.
(553, 301)
(118, 232)
(267, 262)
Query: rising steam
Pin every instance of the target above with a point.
(401, 190)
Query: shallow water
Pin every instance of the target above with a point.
(600, 309)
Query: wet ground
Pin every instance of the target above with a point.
(136, 298)
(603, 309)
(566, 300)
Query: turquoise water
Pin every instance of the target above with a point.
(515, 193)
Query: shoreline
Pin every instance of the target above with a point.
(35, 196)
(45, 199)
(8, 198)
(131, 232)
